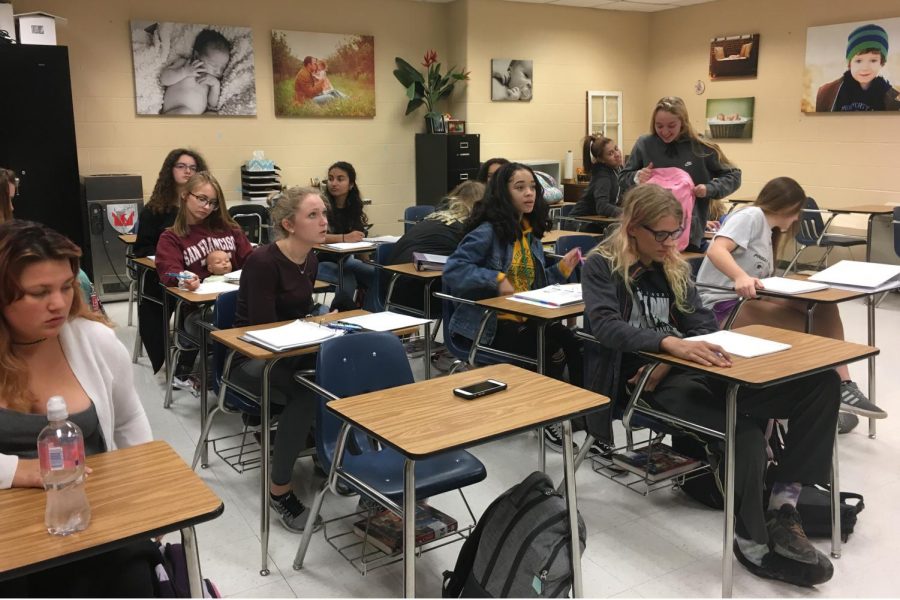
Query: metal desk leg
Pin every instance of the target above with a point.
(264, 472)
(541, 359)
(870, 305)
(428, 350)
(409, 529)
(572, 507)
(170, 368)
(810, 309)
(835, 502)
(341, 259)
(204, 395)
(728, 543)
(192, 555)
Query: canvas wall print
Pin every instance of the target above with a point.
(734, 56)
(730, 118)
(192, 69)
(848, 67)
(511, 80)
(323, 74)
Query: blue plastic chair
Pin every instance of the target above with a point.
(382, 254)
(811, 232)
(356, 364)
(414, 214)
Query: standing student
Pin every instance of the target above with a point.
(201, 226)
(502, 254)
(347, 222)
(51, 345)
(672, 142)
(638, 297)
(743, 252)
(158, 215)
(603, 159)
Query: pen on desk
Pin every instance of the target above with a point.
(180, 275)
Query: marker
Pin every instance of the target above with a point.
(343, 326)
(180, 276)
(580, 257)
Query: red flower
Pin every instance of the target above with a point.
(430, 58)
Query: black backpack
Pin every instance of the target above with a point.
(519, 548)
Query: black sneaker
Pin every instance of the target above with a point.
(847, 422)
(786, 535)
(292, 512)
(553, 438)
(775, 566)
(854, 401)
(600, 449)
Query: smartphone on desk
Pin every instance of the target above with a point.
(477, 390)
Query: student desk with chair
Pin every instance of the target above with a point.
(231, 338)
(424, 419)
(135, 494)
(807, 355)
(342, 255)
(427, 279)
(142, 266)
(552, 236)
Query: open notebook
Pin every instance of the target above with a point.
(783, 285)
(746, 346)
(553, 296)
(293, 335)
(856, 275)
(215, 287)
(384, 321)
(350, 246)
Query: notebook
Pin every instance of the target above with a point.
(350, 246)
(783, 285)
(856, 275)
(554, 296)
(738, 344)
(215, 287)
(382, 239)
(234, 276)
(293, 335)
(384, 321)
(429, 262)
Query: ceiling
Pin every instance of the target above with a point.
(627, 5)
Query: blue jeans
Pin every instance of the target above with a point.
(357, 273)
(328, 96)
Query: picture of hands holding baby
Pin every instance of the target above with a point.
(512, 80)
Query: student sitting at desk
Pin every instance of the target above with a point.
(46, 329)
(743, 252)
(639, 297)
(502, 254)
(602, 157)
(201, 225)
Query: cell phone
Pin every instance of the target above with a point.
(477, 390)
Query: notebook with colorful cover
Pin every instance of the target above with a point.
(385, 529)
(657, 462)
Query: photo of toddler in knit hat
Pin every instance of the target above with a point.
(864, 52)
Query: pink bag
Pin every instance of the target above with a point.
(681, 185)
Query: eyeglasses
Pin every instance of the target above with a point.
(204, 201)
(661, 236)
(186, 167)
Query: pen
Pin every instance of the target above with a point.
(343, 326)
(580, 257)
(180, 276)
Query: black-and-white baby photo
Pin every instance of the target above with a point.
(511, 80)
(191, 69)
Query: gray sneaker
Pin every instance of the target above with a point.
(847, 422)
(292, 512)
(854, 401)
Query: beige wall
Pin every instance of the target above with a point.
(839, 159)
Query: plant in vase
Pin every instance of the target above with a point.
(428, 88)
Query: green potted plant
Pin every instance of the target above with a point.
(428, 88)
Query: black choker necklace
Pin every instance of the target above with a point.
(30, 343)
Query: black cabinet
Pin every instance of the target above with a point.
(38, 140)
(443, 162)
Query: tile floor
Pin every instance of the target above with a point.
(664, 545)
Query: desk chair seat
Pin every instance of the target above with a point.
(812, 232)
(584, 242)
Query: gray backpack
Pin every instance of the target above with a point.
(520, 547)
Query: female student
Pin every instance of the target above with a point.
(672, 142)
(639, 297)
(488, 168)
(502, 254)
(45, 329)
(201, 226)
(157, 216)
(743, 252)
(7, 193)
(277, 285)
(602, 157)
(347, 222)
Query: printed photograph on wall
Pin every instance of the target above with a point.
(191, 69)
(734, 56)
(848, 67)
(323, 74)
(511, 80)
(730, 118)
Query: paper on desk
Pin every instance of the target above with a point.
(215, 287)
(234, 276)
(783, 285)
(293, 335)
(349, 246)
(746, 346)
(858, 275)
(385, 321)
(152, 257)
(553, 296)
(381, 239)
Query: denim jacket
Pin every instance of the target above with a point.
(471, 273)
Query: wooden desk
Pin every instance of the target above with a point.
(808, 354)
(127, 238)
(342, 255)
(425, 418)
(135, 494)
(427, 279)
(596, 219)
(552, 236)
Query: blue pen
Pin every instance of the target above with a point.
(179, 276)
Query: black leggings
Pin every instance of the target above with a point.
(521, 338)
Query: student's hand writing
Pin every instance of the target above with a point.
(505, 287)
(645, 173)
(746, 286)
(702, 353)
(571, 258)
(354, 236)
(658, 374)
(191, 284)
(700, 191)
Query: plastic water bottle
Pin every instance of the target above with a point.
(61, 453)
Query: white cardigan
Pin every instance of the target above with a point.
(103, 368)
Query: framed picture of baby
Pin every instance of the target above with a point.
(730, 118)
(734, 56)
(511, 80)
(848, 67)
(192, 69)
(323, 74)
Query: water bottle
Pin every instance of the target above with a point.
(61, 454)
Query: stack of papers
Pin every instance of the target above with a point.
(215, 287)
(293, 335)
(349, 246)
(783, 285)
(739, 344)
(854, 275)
(384, 321)
(234, 276)
(553, 296)
(382, 239)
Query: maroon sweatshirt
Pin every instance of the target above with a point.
(175, 254)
